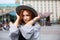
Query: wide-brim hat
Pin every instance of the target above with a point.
(21, 7)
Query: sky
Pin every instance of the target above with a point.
(7, 1)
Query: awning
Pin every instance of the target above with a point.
(8, 5)
(13, 13)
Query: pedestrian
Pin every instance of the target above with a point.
(26, 26)
(5, 25)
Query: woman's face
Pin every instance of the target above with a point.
(26, 17)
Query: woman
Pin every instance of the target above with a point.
(26, 26)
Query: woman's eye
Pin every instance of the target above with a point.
(27, 15)
(23, 15)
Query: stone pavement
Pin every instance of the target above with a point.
(4, 35)
(46, 33)
(50, 32)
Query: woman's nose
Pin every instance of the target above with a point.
(25, 17)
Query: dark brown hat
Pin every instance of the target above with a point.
(19, 8)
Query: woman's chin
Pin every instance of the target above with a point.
(26, 21)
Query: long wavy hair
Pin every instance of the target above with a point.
(32, 15)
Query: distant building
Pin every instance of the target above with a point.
(7, 8)
(45, 6)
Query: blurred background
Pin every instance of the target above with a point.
(50, 23)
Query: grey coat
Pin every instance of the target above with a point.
(29, 32)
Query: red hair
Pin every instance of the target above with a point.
(32, 15)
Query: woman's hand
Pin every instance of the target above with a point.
(37, 18)
(16, 23)
(33, 20)
(17, 16)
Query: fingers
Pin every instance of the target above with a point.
(40, 14)
(37, 18)
(17, 16)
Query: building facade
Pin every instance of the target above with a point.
(45, 6)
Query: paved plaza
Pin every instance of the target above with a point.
(46, 33)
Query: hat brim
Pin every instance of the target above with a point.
(19, 8)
